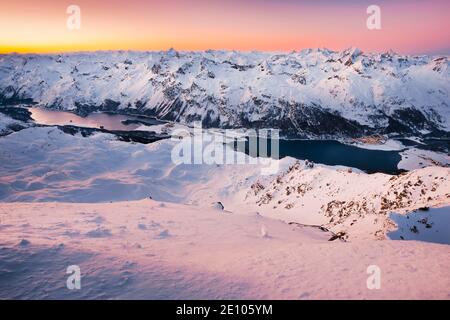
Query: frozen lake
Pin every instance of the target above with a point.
(108, 121)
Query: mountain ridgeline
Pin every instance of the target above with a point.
(314, 93)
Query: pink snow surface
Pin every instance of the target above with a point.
(151, 250)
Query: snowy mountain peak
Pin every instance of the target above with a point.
(353, 52)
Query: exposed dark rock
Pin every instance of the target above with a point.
(144, 137)
(339, 235)
(17, 113)
(10, 97)
(218, 205)
(146, 122)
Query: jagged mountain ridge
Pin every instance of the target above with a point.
(312, 93)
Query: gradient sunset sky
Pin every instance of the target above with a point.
(408, 26)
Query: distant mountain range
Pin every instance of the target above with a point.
(311, 93)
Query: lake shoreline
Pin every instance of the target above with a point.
(353, 153)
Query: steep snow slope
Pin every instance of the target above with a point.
(150, 250)
(347, 201)
(308, 93)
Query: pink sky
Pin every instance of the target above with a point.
(408, 26)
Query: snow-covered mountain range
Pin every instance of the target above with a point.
(312, 93)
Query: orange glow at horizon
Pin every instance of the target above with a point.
(269, 25)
